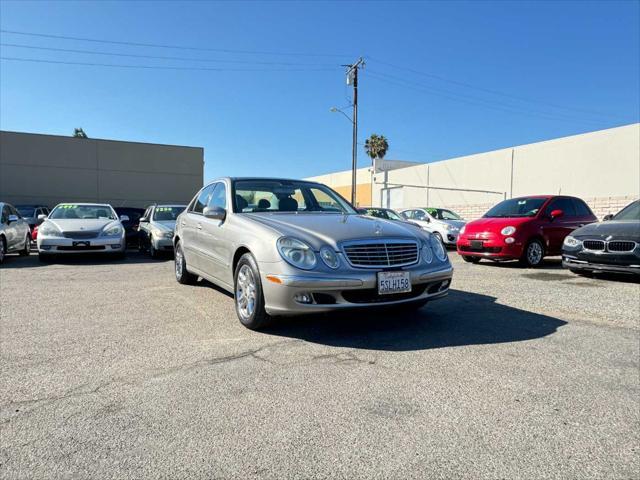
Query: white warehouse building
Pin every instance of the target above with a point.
(601, 167)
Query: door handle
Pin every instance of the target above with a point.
(183, 223)
(199, 226)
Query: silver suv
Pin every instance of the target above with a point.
(157, 226)
(15, 235)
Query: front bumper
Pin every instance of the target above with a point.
(163, 243)
(348, 289)
(450, 238)
(492, 247)
(64, 246)
(574, 263)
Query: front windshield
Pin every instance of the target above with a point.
(443, 214)
(167, 214)
(516, 207)
(26, 211)
(393, 215)
(630, 212)
(72, 211)
(264, 196)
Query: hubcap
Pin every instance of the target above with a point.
(246, 292)
(178, 262)
(534, 254)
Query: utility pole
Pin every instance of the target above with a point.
(352, 79)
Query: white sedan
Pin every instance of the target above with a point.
(73, 228)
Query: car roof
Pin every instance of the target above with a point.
(169, 205)
(81, 204)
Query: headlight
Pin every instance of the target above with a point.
(329, 257)
(451, 228)
(112, 231)
(508, 230)
(296, 253)
(48, 229)
(168, 234)
(463, 229)
(570, 241)
(438, 248)
(427, 253)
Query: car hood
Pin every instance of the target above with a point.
(455, 223)
(319, 229)
(168, 224)
(76, 224)
(617, 229)
(494, 224)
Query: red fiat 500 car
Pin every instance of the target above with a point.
(525, 229)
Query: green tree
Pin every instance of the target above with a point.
(376, 146)
(79, 133)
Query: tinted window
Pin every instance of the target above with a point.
(562, 203)
(375, 212)
(419, 215)
(516, 207)
(581, 208)
(393, 215)
(203, 199)
(219, 196)
(630, 212)
(26, 211)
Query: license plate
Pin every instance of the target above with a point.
(476, 244)
(393, 282)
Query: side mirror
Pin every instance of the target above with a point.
(214, 213)
(124, 218)
(41, 218)
(607, 217)
(556, 214)
(13, 218)
(143, 220)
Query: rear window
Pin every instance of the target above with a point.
(26, 211)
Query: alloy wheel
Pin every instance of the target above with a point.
(534, 253)
(246, 292)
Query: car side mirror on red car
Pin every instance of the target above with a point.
(556, 214)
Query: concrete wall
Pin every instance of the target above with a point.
(602, 167)
(50, 169)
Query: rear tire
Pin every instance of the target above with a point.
(439, 237)
(533, 254)
(470, 259)
(183, 276)
(249, 298)
(27, 246)
(3, 249)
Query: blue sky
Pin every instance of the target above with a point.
(441, 79)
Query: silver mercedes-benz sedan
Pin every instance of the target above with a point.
(289, 247)
(81, 227)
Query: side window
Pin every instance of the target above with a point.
(562, 203)
(202, 200)
(582, 210)
(219, 196)
(5, 214)
(408, 214)
(419, 215)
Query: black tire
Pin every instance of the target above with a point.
(3, 249)
(27, 246)
(255, 317)
(153, 253)
(533, 254)
(470, 259)
(183, 276)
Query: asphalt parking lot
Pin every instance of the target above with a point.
(113, 370)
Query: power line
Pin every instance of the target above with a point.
(154, 67)
(472, 100)
(491, 91)
(160, 57)
(178, 47)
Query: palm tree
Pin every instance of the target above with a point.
(376, 146)
(79, 133)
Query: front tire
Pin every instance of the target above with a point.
(249, 298)
(439, 237)
(3, 249)
(533, 254)
(153, 253)
(27, 246)
(470, 259)
(183, 276)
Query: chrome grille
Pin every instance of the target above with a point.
(621, 246)
(380, 254)
(82, 234)
(593, 244)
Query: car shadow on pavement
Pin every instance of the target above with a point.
(462, 318)
(553, 263)
(31, 261)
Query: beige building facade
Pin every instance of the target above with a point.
(49, 169)
(602, 167)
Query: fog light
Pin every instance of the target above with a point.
(509, 240)
(445, 285)
(303, 298)
(115, 246)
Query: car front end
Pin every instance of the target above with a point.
(358, 273)
(162, 235)
(492, 240)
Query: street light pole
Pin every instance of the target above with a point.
(352, 77)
